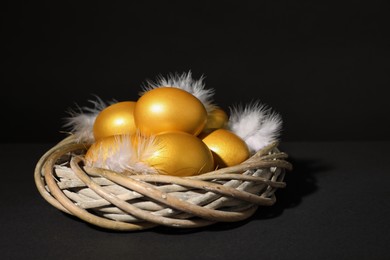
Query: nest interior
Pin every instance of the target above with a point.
(139, 201)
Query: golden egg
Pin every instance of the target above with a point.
(169, 109)
(216, 119)
(102, 149)
(180, 154)
(120, 153)
(115, 119)
(228, 149)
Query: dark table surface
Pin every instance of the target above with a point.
(336, 206)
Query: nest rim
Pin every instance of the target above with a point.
(200, 215)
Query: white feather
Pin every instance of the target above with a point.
(256, 124)
(124, 156)
(81, 120)
(185, 82)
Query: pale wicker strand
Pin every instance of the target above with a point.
(150, 191)
(123, 205)
(39, 173)
(134, 202)
(74, 209)
(208, 186)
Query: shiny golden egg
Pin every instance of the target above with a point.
(116, 119)
(169, 109)
(180, 154)
(216, 119)
(228, 149)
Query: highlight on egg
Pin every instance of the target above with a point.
(227, 148)
(187, 82)
(169, 109)
(180, 154)
(115, 119)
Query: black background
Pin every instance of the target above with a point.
(323, 65)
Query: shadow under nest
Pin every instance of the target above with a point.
(300, 182)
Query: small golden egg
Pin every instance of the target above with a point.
(228, 149)
(216, 119)
(180, 154)
(115, 119)
(169, 109)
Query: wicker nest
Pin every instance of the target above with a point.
(137, 201)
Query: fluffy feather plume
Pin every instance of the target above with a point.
(256, 124)
(80, 122)
(185, 82)
(124, 156)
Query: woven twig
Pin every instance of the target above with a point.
(136, 201)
